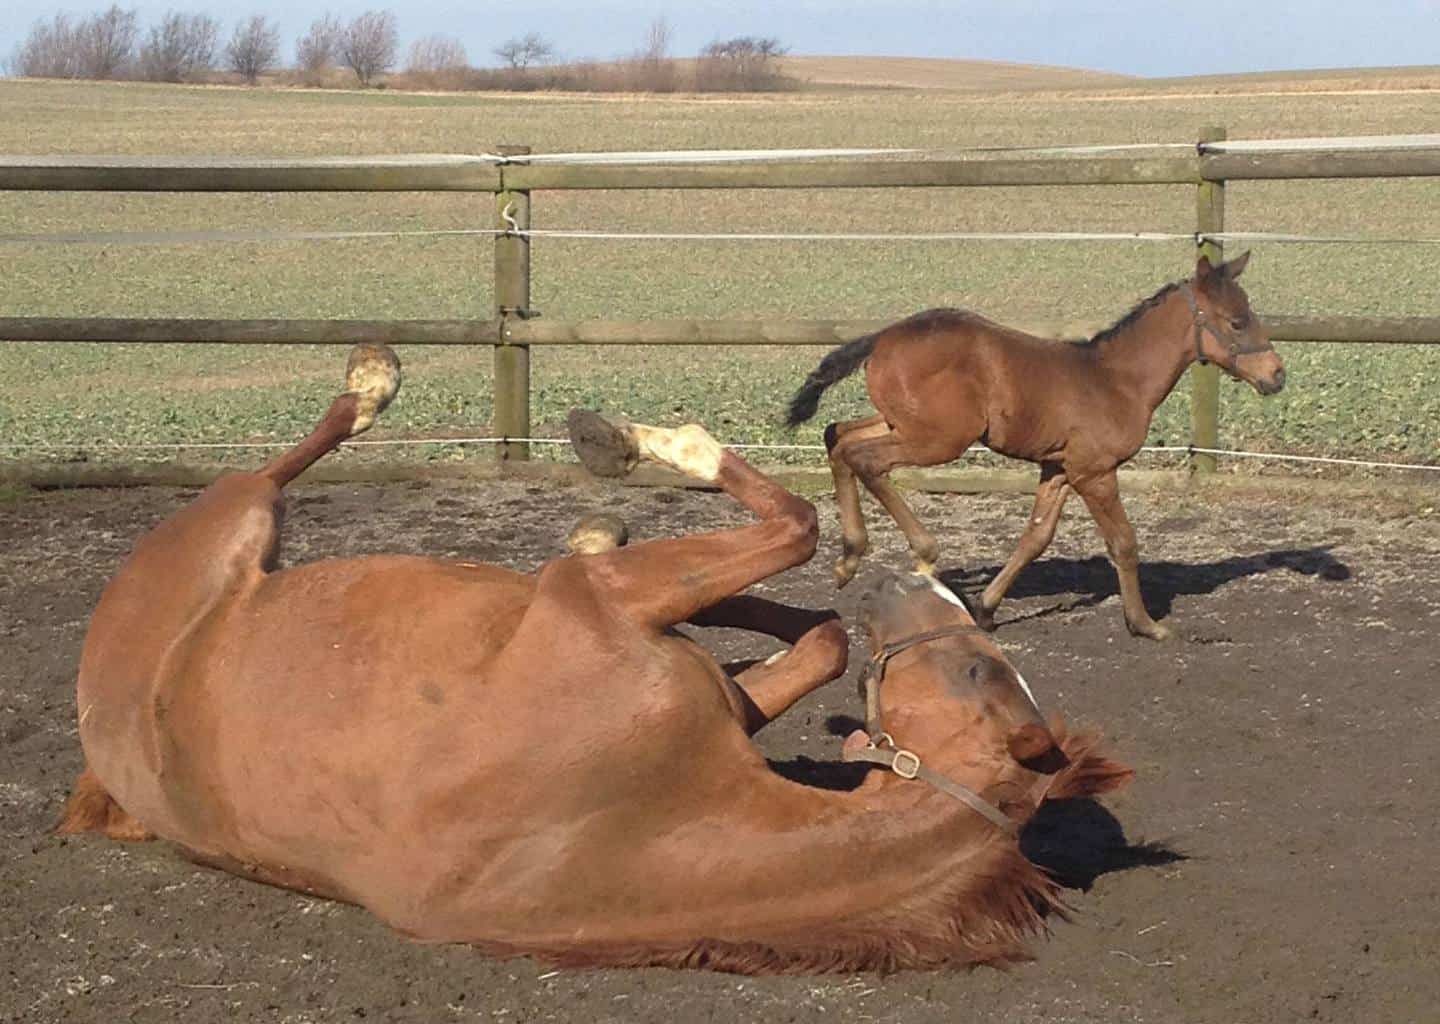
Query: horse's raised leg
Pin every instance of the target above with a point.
(873, 457)
(1102, 497)
(854, 541)
(665, 582)
(227, 537)
(372, 376)
(1039, 532)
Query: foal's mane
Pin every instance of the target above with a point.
(1129, 319)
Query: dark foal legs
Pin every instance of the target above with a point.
(1039, 532)
(665, 582)
(1102, 497)
(854, 541)
(872, 458)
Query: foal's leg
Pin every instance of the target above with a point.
(1039, 532)
(665, 582)
(853, 539)
(872, 459)
(1102, 497)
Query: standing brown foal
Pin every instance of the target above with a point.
(944, 379)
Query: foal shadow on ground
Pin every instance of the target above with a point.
(1076, 840)
(1089, 581)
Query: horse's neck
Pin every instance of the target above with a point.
(1147, 357)
(799, 870)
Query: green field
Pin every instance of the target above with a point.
(1368, 401)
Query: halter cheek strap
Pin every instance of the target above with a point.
(1204, 325)
(882, 750)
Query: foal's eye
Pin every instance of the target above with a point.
(1239, 322)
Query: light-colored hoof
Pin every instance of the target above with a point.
(596, 534)
(844, 571)
(604, 446)
(924, 568)
(373, 376)
(689, 449)
(1149, 630)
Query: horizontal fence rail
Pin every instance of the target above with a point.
(1300, 329)
(513, 174)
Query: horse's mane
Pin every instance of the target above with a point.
(985, 912)
(1128, 320)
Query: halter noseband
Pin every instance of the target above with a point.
(1204, 325)
(882, 749)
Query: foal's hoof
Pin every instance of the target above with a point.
(844, 571)
(604, 446)
(372, 375)
(1149, 630)
(984, 617)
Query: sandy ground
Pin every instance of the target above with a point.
(1282, 742)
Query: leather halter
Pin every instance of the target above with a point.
(1227, 340)
(882, 749)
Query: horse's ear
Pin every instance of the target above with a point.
(1203, 267)
(1236, 267)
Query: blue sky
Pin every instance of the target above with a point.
(1146, 37)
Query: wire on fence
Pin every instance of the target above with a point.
(737, 446)
(138, 238)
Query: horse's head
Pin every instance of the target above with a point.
(949, 694)
(1228, 333)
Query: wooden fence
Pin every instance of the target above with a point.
(1206, 168)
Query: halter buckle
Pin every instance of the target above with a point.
(911, 761)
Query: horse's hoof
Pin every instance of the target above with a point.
(372, 375)
(1150, 630)
(984, 618)
(844, 573)
(604, 446)
(597, 533)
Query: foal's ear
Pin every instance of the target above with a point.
(1203, 268)
(1236, 267)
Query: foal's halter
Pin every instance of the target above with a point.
(1204, 325)
(882, 749)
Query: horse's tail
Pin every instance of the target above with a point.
(835, 367)
(91, 808)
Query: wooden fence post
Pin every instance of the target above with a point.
(512, 302)
(1205, 380)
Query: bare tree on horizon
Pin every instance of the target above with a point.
(370, 45)
(254, 48)
(181, 48)
(319, 47)
(520, 53)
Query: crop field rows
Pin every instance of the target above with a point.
(1366, 401)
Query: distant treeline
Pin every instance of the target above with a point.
(365, 51)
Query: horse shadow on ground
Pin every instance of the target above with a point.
(1075, 840)
(1086, 582)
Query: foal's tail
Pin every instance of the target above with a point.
(835, 367)
(372, 377)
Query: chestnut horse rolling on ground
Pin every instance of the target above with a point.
(538, 763)
(944, 379)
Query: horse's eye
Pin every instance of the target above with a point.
(1238, 323)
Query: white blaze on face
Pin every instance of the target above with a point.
(1026, 687)
(946, 594)
(943, 592)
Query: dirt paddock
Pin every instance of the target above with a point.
(1274, 860)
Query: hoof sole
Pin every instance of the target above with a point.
(603, 446)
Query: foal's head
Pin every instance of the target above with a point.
(955, 701)
(1230, 335)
